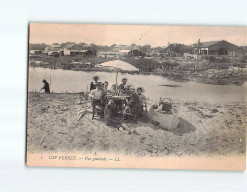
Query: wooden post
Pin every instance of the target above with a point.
(50, 82)
(116, 81)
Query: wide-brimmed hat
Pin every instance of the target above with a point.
(96, 77)
(124, 79)
(143, 90)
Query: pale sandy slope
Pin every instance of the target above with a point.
(205, 129)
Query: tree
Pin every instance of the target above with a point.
(37, 46)
(146, 48)
(81, 44)
(94, 47)
(67, 43)
(158, 48)
(177, 48)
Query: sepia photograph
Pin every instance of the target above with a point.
(136, 96)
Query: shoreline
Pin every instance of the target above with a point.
(223, 78)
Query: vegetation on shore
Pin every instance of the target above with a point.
(213, 72)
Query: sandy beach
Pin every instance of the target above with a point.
(205, 129)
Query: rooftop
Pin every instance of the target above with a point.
(206, 44)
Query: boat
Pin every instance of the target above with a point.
(166, 121)
(168, 118)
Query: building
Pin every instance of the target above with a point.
(76, 50)
(54, 50)
(68, 50)
(35, 52)
(54, 47)
(107, 54)
(215, 48)
(124, 51)
(73, 46)
(83, 53)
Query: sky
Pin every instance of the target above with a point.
(154, 35)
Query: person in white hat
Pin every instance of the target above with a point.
(139, 92)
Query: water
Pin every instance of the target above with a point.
(78, 81)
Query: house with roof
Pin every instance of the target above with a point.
(54, 47)
(54, 50)
(128, 51)
(35, 52)
(107, 54)
(83, 53)
(215, 48)
(75, 50)
(72, 46)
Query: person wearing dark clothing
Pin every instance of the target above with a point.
(123, 85)
(112, 117)
(94, 83)
(46, 86)
(134, 105)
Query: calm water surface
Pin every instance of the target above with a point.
(77, 81)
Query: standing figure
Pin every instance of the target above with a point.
(46, 87)
(94, 83)
(96, 95)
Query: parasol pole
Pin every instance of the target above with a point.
(116, 81)
(50, 82)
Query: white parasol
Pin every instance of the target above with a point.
(119, 66)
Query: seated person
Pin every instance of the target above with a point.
(105, 87)
(113, 118)
(113, 87)
(122, 87)
(96, 95)
(140, 91)
(105, 91)
(134, 105)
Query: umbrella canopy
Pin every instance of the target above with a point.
(119, 65)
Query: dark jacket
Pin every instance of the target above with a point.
(46, 87)
(110, 110)
(111, 116)
(92, 86)
(135, 105)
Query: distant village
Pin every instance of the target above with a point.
(214, 62)
(200, 51)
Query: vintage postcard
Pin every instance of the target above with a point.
(137, 96)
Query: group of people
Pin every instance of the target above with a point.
(116, 109)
